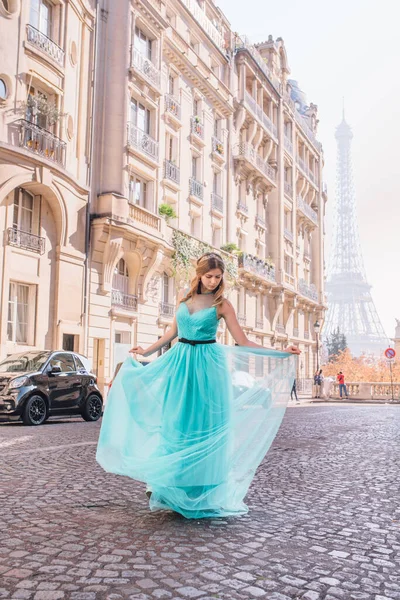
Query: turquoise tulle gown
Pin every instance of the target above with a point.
(196, 423)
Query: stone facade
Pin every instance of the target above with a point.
(193, 135)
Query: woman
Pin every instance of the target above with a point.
(180, 424)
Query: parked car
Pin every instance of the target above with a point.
(37, 384)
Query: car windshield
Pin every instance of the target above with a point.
(22, 363)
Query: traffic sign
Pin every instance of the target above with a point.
(390, 353)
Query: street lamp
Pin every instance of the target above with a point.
(317, 328)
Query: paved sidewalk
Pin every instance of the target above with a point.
(324, 520)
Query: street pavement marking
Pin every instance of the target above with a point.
(58, 447)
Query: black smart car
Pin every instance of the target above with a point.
(37, 384)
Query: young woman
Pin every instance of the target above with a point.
(181, 424)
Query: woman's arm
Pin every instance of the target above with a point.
(168, 336)
(228, 313)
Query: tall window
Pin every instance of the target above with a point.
(165, 288)
(140, 116)
(142, 43)
(137, 191)
(216, 183)
(40, 16)
(20, 309)
(23, 211)
(121, 277)
(194, 167)
(171, 85)
(196, 107)
(33, 111)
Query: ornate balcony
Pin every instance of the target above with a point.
(218, 149)
(172, 106)
(40, 141)
(172, 172)
(259, 113)
(166, 309)
(146, 68)
(302, 164)
(288, 144)
(295, 332)
(242, 208)
(196, 189)
(246, 152)
(279, 328)
(25, 240)
(288, 235)
(197, 130)
(137, 214)
(306, 335)
(139, 139)
(288, 190)
(45, 44)
(259, 223)
(257, 266)
(259, 323)
(241, 319)
(307, 210)
(308, 290)
(124, 301)
(217, 202)
(210, 29)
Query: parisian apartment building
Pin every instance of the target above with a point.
(134, 136)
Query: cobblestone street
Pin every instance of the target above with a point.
(324, 520)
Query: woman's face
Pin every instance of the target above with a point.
(211, 279)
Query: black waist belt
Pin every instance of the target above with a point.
(196, 342)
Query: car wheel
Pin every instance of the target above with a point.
(35, 412)
(92, 408)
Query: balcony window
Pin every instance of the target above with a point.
(121, 277)
(171, 85)
(21, 313)
(23, 211)
(140, 116)
(137, 191)
(142, 43)
(41, 16)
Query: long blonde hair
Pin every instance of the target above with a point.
(206, 263)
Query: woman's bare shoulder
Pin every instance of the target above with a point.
(226, 306)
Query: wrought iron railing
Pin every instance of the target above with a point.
(145, 66)
(166, 309)
(40, 141)
(25, 240)
(308, 289)
(172, 106)
(288, 144)
(211, 30)
(307, 210)
(288, 189)
(259, 323)
(242, 208)
(218, 146)
(45, 44)
(257, 266)
(142, 141)
(196, 188)
(241, 319)
(247, 151)
(279, 328)
(126, 301)
(197, 127)
(217, 202)
(260, 221)
(295, 332)
(258, 112)
(288, 235)
(171, 171)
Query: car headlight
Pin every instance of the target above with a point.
(17, 382)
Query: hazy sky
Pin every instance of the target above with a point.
(348, 48)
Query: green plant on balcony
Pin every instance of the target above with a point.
(197, 119)
(231, 248)
(220, 149)
(187, 249)
(40, 105)
(166, 211)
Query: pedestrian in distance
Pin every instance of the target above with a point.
(177, 424)
(294, 392)
(342, 385)
(318, 381)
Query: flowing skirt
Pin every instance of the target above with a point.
(195, 424)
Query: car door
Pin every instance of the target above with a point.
(64, 387)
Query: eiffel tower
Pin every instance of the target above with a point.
(350, 304)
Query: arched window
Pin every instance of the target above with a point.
(121, 277)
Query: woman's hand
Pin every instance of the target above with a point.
(292, 350)
(137, 350)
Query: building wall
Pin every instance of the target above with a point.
(44, 165)
(185, 114)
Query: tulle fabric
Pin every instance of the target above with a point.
(195, 423)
